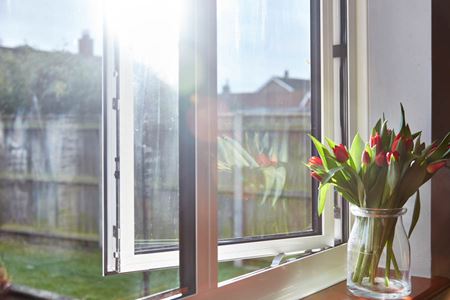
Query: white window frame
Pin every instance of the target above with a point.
(208, 253)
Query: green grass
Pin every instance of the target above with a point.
(77, 273)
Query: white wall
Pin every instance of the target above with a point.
(399, 66)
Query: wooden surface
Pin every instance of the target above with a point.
(422, 289)
(440, 125)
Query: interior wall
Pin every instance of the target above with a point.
(440, 187)
(399, 66)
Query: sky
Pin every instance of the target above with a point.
(50, 24)
(257, 39)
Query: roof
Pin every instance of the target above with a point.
(278, 93)
(295, 83)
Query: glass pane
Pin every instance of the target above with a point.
(50, 116)
(153, 48)
(264, 116)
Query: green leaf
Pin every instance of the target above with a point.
(330, 143)
(418, 146)
(447, 154)
(403, 124)
(330, 174)
(385, 137)
(416, 214)
(323, 189)
(320, 149)
(393, 174)
(411, 181)
(442, 149)
(274, 181)
(376, 191)
(356, 151)
(347, 195)
(377, 127)
(415, 135)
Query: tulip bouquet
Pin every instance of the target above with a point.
(382, 174)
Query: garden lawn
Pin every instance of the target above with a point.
(77, 273)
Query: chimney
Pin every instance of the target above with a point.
(286, 74)
(86, 44)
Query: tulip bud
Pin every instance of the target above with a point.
(376, 141)
(315, 161)
(434, 167)
(409, 144)
(395, 154)
(365, 158)
(316, 176)
(380, 159)
(341, 153)
(395, 142)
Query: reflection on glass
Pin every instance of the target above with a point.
(263, 118)
(50, 116)
(155, 90)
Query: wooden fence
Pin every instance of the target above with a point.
(49, 179)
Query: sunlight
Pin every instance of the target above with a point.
(148, 31)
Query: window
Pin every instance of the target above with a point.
(204, 141)
(264, 117)
(50, 175)
(197, 180)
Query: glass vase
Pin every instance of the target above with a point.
(378, 255)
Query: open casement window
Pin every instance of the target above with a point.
(196, 173)
(148, 147)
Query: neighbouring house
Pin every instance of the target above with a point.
(278, 93)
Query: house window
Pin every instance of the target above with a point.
(50, 169)
(207, 108)
(206, 105)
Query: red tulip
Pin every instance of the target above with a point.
(409, 144)
(315, 161)
(341, 153)
(395, 142)
(380, 159)
(316, 176)
(376, 141)
(390, 154)
(365, 158)
(434, 167)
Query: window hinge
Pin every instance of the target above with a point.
(116, 254)
(117, 174)
(116, 231)
(115, 103)
(340, 51)
(337, 212)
